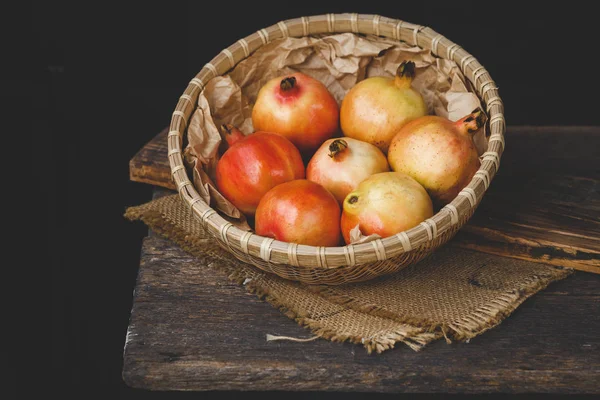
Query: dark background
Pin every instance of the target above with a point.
(108, 76)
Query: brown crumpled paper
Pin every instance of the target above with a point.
(357, 237)
(339, 61)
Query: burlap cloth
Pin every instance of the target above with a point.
(451, 294)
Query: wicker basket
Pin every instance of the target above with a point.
(338, 265)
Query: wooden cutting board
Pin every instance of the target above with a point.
(543, 206)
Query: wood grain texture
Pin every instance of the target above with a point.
(191, 329)
(151, 163)
(543, 206)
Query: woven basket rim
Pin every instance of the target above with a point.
(353, 254)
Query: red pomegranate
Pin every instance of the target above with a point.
(300, 212)
(298, 107)
(254, 164)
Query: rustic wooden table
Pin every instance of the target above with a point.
(191, 329)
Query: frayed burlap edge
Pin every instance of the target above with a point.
(378, 343)
(156, 221)
(468, 326)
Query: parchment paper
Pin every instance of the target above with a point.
(339, 61)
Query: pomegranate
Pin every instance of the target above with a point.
(298, 107)
(254, 164)
(375, 108)
(438, 153)
(299, 211)
(341, 164)
(385, 204)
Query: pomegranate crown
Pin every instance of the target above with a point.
(475, 120)
(288, 83)
(227, 128)
(406, 69)
(336, 147)
(232, 134)
(469, 124)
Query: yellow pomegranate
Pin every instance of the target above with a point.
(385, 204)
(438, 153)
(375, 108)
(341, 164)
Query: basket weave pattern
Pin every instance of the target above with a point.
(351, 263)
